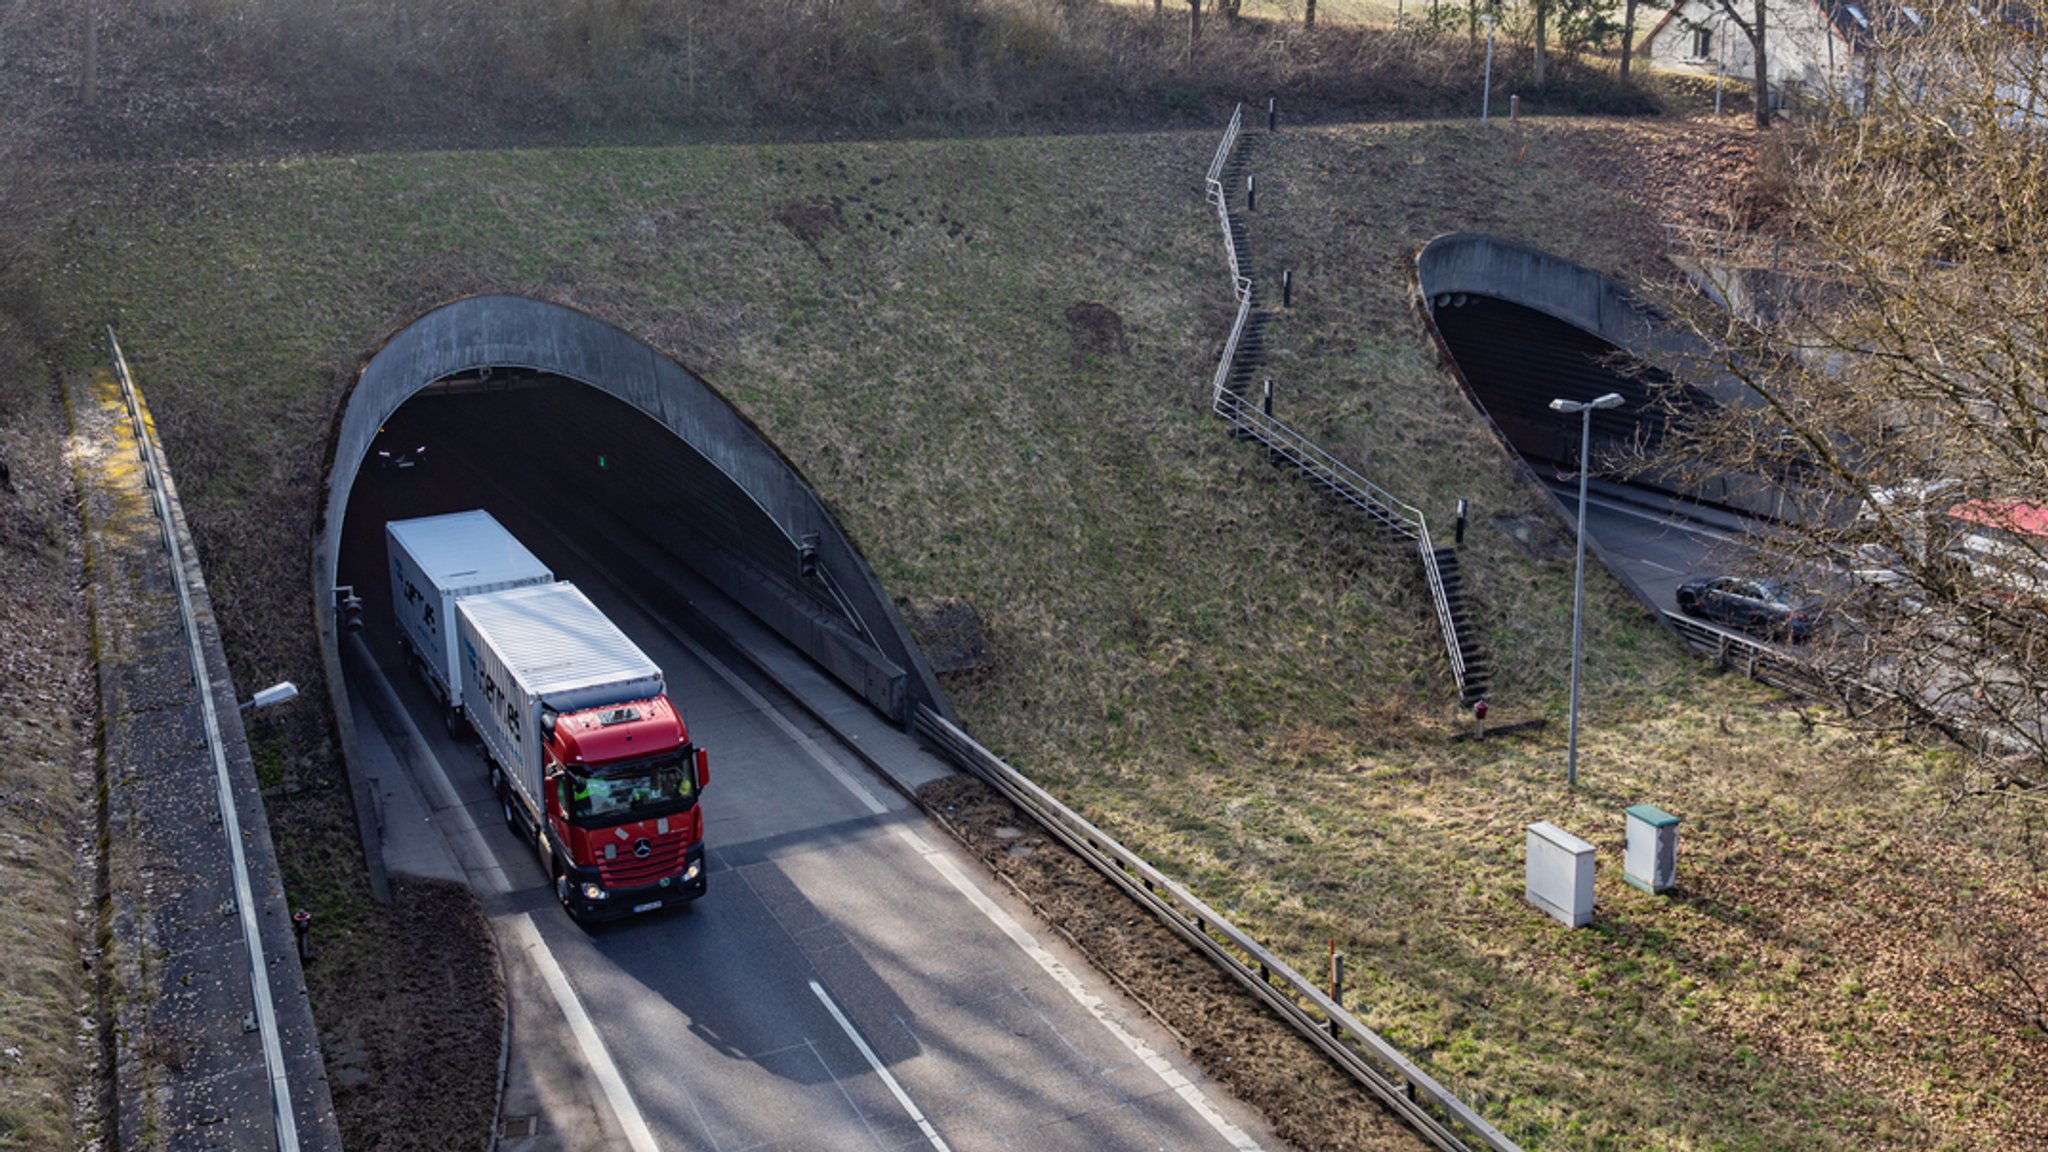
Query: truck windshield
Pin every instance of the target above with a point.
(640, 790)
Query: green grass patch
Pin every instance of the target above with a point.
(1227, 672)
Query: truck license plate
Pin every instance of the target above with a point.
(650, 906)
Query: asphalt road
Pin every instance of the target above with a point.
(850, 980)
(1655, 541)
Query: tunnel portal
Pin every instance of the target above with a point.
(565, 416)
(1517, 360)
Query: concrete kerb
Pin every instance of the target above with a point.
(183, 1063)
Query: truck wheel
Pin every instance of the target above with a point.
(505, 801)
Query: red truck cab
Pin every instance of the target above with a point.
(623, 827)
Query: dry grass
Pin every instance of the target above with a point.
(1244, 683)
(46, 699)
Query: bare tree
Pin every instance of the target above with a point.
(1756, 29)
(1194, 29)
(1308, 14)
(1628, 35)
(1894, 376)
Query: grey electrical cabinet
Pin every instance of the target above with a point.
(1652, 858)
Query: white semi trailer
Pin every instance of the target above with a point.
(436, 561)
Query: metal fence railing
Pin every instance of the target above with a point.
(1318, 465)
(1409, 1092)
(264, 1009)
(1240, 280)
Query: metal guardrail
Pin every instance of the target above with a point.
(245, 901)
(1724, 245)
(1383, 506)
(1406, 1090)
(1756, 659)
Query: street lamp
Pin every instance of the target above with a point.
(1486, 96)
(277, 693)
(1585, 410)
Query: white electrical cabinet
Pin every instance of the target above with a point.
(1559, 878)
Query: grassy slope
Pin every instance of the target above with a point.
(1243, 683)
(46, 696)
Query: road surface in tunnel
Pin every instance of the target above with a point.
(849, 980)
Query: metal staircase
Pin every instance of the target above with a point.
(1243, 352)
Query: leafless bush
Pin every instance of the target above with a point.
(177, 72)
(1896, 374)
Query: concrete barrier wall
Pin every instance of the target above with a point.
(879, 659)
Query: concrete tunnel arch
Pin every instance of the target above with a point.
(839, 615)
(1521, 326)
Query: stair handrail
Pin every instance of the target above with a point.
(1395, 513)
(1221, 385)
(1223, 151)
(1240, 282)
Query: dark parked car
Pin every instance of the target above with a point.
(1751, 603)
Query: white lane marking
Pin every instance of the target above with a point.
(1657, 566)
(1676, 520)
(875, 1062)
(527, 937)
(1022, 937)
(490, 871)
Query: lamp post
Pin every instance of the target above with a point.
(1486, 97)
(1584, 408)
(277, 693)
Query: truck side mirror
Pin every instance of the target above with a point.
(703, 768)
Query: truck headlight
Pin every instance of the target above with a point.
(696, 866)
(595, 892)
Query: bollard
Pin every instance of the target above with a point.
(1266, 404)
(1287, 287)
(1458, 537)
(302, 927)
(1514, 108)
(1336, 986)
(1272, 113)
(1479, 719)
(1251, 193)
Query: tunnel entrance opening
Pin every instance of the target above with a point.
(1517, 360)
(1524, 327)
(570, 430)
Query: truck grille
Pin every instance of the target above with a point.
(621, 867)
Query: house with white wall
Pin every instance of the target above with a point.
(1813, 45)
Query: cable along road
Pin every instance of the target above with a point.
(849, 981)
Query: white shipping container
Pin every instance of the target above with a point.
(526, 649)
(437, 560)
